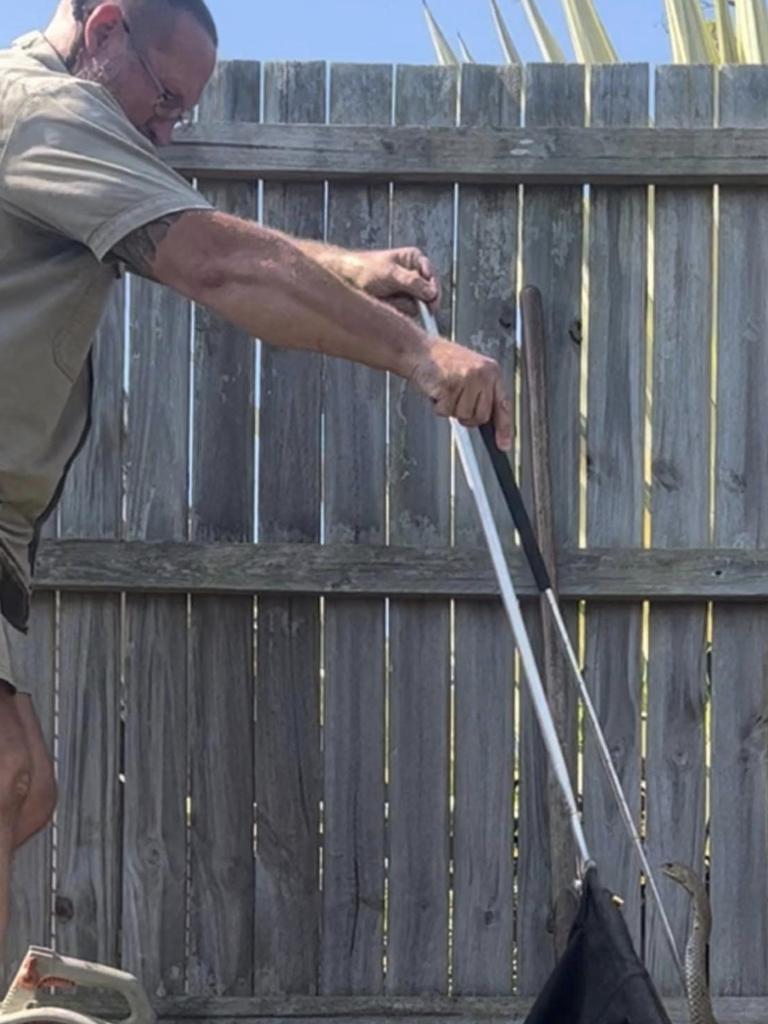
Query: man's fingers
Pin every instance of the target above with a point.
(429, 274)
(445, 404)
(427, 270)
(466, 407)
(414, 284)
(484, 410)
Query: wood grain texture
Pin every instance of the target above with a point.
(355, 493)
(560, 693)
(89, 815)
(672, 575)
(484, 732)
(417, 951)
(739, 824)
(552, 255)
(676, 770)
(155, 840)
(615, 489)
(221, 726)
(541, 154)
(288, 762)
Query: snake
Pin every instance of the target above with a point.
(697, 989)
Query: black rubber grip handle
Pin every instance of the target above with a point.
(514, 499)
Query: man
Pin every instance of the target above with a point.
(82, 191)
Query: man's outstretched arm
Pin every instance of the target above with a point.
(262, 282)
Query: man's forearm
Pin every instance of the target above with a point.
(342, 262)
(267, 284)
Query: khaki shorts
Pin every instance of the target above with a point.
(6, 669)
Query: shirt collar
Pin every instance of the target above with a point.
(37, 46)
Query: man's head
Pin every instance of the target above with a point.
(155, 56)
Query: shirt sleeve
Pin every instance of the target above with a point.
(74, 164)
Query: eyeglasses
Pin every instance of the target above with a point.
(168, 106)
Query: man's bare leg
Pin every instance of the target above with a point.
(27, 787)
(15, 784)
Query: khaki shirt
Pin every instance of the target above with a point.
(75, 178)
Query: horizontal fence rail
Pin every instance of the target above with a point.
(535, 156)
(612, 573)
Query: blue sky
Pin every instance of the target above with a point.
(389, 31)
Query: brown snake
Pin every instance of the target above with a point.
(699, 1001)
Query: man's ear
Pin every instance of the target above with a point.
(104, 25)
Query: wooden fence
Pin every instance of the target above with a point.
(299, 778)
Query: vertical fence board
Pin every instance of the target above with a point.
(417, 952)
(288, 768)
(552, 257)
(484, 732)
(355, 492)
(740, 651)
(222, 628)
(615, 487)
(89, 812)
(33, 659)
(675, 768)
(155, 842)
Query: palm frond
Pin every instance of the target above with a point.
(692, 42)
(752, 31)
(726, 36)
(445, 54)
(550, 48)
(465, 54)
(510, 52)
(588, 35)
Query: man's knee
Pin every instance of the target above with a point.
(16, 762)
(27, 779)
(41, 798)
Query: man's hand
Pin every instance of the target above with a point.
(466, 386)
(400, 277)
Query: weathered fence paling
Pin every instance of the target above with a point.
(615, 338)
(552, 238)
(332, 801)
(221, 661)
(680, 510)
(156, 839)
(486, 266)
(739, 827)
(419, 667)
(355, 482)
(288, 750)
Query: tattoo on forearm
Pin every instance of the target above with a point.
(139, 249)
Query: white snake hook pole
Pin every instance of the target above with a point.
(544, 715)
(512, 607)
